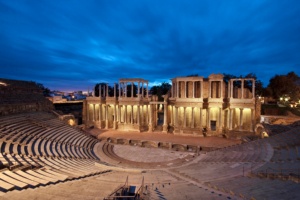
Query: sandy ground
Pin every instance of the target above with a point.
(162, 137)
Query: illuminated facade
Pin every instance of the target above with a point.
(194, 106)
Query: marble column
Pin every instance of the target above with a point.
(192, 121)
(138, 115)
(165, 125)
(184, 117)
(210, 88)
(131, 116)
(100, 115)
(115, 117)
(253, 88)
(200, 109)
(252, 121)
(231, 87)
(94, 112)
(125, 114)
(241, 119)
(147, 91)
(177, 87)
(193, 89)
(119, 113)
(230, 118)
(208, 119)
(185, 89)
(150, 119)
(138, 93)
(242, 88)
(106, 116)
(176, 117)
(220, 119)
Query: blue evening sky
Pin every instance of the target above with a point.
(72, 44)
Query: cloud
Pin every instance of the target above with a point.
(69, 45)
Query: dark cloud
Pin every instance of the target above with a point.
(71, 45)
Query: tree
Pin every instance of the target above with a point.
(160, 90)
(46, 91)
(285, 85)
(103, 85)
(259, 89)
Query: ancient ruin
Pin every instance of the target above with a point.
(194, 105)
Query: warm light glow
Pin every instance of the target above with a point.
(286, 99)
(71, 122)
(4, 84)
(280, 98)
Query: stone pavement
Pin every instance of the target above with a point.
(141, 154)
(162, 137)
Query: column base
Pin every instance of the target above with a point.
(106, 124)
(165, 128)
(115, 125)
(150, 129)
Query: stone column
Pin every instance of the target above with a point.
(208, 119)
(147, 114)
(138, 115)
(99, 88)
(230, 118)
(177, 87)
(252, 120)
(131, 116)
(176, 117)
(131, 89)
(185, 89)
(103, 92)
(165, 125)
(94, 112)
(220, 119)
(242, 88)
(106, 116)
(201, 92)
(231, 87)
(184, 117)
(192, 123)
(100, 115)
(172, 115)
(209, 95)
(253, 88)
(221, 90)
(147, 91)
(150, 119)
(125, 115)
(115, 90)
(138, 93)
(193, 89)
(241, 119)
(142, 115)
(201, 119)
(119, 113)
(115, 117)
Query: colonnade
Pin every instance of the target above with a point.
(123, 87)
(176, 84)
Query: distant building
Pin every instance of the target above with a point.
(193, 106)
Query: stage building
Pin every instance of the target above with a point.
(194, 106)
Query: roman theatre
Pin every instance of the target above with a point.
(201, 140)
